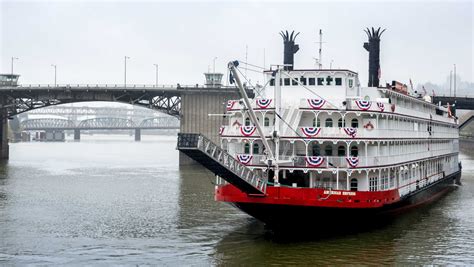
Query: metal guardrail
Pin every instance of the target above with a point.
(121, 86)
(203, 144)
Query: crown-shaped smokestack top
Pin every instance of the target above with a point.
(373, 46)
(290, 48)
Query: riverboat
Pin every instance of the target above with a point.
(319, 148)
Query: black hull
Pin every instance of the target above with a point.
(285, 216)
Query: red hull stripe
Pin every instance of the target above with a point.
(315, 197)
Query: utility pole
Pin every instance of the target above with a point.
(125, 75)
(13, 58)
(454, 82)
(450, 82)
(55, 68)
(156, 74)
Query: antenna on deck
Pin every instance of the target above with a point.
(319, 60)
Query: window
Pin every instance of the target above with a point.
(354, 184)
(256, 148)
(247, 148)
(311, 81)
(328, 122)
(294, 81)
(328, 150)
(339, 81)
(303, 80)
(320, 81)
(316, 123)
(329, 80)
(266, 121)
(354, 151)
(286, 81)
(351, 83)
(355, 123)
(316, 150)
(272, 82)
(373, 184)
(247, 122)
(339, 123)
(341, 151)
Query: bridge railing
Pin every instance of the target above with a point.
(127, 86)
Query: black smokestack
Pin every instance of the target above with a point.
(290, 48)
(373, 46)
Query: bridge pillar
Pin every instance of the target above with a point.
(77, 134)
(138, 134)
(4, 147)
(196, 105)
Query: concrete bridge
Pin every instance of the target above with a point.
(190, 104)
(101, 123)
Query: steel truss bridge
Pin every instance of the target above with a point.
(71, 111)
(102, 123)
(167, 99)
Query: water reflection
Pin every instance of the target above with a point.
(122, 202)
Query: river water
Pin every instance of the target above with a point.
(110, 200)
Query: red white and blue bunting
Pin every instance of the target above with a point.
(352, 132)
(230, 104)
(352, 161)
(381, 106)
(314, 161)
(363, 104)
(311, 131)
(221, 130)
(263, 103)
(247, 130)
(316, 103)
(244, 158)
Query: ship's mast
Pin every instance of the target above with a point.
(276, 130)
(320, 60)
(253, 117)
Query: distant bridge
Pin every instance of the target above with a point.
(462, 102)
(190, 104)
(68, 111)
(104, 123)
(107, 123)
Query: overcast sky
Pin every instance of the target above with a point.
(88, 40)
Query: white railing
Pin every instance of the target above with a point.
(342, 162)
(335, 132)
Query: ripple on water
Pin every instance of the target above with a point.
(122, 202)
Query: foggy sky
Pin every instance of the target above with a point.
(88, 40)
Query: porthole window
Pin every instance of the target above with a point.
(338, 81)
